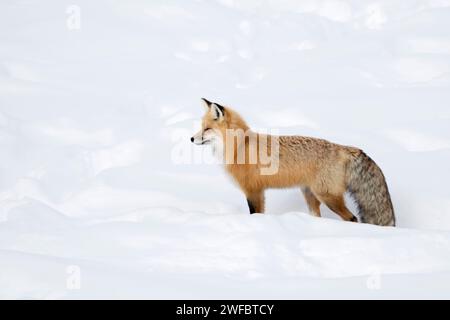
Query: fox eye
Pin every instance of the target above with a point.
(206, 129)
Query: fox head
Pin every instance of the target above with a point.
(216, 121)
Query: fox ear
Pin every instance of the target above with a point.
(206, 104)
(218, 111)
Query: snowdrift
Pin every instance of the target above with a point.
(102, 194)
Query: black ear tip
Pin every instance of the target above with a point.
(207, 101)
(221, 108)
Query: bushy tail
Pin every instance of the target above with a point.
(367, 184)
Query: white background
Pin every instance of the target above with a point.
(98, 99)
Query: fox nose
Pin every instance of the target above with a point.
(192, 139)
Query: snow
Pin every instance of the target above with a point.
(102, 195)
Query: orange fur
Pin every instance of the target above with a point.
(317, 166)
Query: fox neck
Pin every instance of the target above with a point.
(233, 123)
(230, 147)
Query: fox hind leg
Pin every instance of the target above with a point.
(312, 201)
(337, 205)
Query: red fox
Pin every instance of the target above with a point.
(323, 170)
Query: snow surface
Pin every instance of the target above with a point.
(102, 194)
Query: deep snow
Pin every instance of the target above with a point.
(98, 176)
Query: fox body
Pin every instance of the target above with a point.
(323, 170)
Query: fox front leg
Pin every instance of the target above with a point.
(255, 202)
